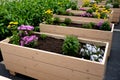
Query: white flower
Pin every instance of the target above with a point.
(100, 60)
(93, 57)
(94, 50)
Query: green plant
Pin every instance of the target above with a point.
(43, 36)
(92, 24)
(4, 32)
(105, 26)
(71, 46)
(107, 7)
(115, 5)
(56, 20)
(88, 26)
(74, 5)
(103, 15)
(62, 24)
(67, 21)
(61, 11)
(15, 39)
(90, 11)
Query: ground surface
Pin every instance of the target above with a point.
(113, 64)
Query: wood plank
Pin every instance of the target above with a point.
(38, 66)
(80, 20)
(30, 72)
(55, 59)
(80, 32)
(52, 70)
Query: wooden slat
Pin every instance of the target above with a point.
(80, 20)
(80, 32)
(58, 72)
(77, 64)
(116, 15)
(30, 72)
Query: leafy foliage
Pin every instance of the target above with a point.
(43, 36)
(105, 26)
(28, 12)
(71, 46)
(67, 21)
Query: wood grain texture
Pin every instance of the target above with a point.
(46, 65)
(80, 32)
(80, 20)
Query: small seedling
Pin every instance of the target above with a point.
(43, 36)
(67, 21)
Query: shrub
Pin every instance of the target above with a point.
(56, 20)
(103, 15)
(71, 46)
(74, 5)
(67, 21)
(88, 26)
(61, 11)
(105, 26)
(92, 24)
(115, 5)
(89, 11)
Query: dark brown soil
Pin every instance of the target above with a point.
(55, 45)
(50, 44)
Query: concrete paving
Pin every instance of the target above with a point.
(113, 64)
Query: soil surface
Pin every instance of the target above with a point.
(50, 44)
(55, 45)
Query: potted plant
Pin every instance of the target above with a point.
(53, 57)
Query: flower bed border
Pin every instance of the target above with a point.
(93, 34)
(78, 12)
(46, 65)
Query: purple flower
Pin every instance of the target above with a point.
(100, 23)
(82, 9)
(25, 27)
(68, 10)
(28, 39)
(21, 43)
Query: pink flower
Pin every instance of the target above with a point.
(82, 9)
(68, 10)
(25, 27)
(28, 39)
(100, 23)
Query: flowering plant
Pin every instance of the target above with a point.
(24, 37)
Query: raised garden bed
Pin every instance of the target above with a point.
(47, 65)
(116, 15)
(80, 13)
(93, 34)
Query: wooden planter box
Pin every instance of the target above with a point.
(78, 12)
(44, 65)
(80, 20)
(93, 34)
(116, 15)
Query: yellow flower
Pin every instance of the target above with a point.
(48, 11)
(85, 1)
(13, 23)
(98, 15)
(8, 26)
(96, 11)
